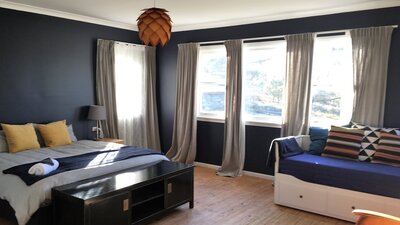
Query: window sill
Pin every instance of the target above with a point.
(263, 124)
(210, 119)
(248, 123)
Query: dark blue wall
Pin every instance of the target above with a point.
(210, 135)
(47, 68)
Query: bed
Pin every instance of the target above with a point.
(26, 200)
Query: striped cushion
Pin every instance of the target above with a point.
(369, 144)
(343, 143)
(388, 151)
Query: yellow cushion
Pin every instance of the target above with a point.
(55, 134)
(20, 137)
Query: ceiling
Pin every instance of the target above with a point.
(192, 14)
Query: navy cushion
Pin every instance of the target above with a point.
(289, 147)
(318, 137)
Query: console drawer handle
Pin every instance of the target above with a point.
(169, 188)
(125, 205)
(300, 196)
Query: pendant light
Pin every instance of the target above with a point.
(154, 26)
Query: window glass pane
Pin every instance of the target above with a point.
(264, 66)
(211, 80)
(129, 80)
(332, 82)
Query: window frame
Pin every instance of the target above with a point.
(204, 116)
(263, 121)
(253, 120)
(312, 123)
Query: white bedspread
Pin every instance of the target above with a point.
(25, 200)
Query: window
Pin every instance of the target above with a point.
(264, 73)
(264, 68)
(130, 93)
(211, 80)
(129, 80)
(332, 81)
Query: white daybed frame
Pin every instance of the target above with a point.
(326, 200)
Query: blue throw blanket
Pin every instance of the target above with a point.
(287, 147)
(81, 161)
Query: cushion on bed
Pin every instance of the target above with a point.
(55, 133)
(318, 137)
(343, 143)
(71, 133)
(20, 137)
(289, 147)
(369, 143)
(3, 142)
(388, 150)
(40, 138)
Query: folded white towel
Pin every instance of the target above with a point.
(40, 169)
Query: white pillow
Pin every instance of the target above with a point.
(71, 133)
(3, 142)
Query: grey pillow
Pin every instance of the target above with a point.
(3, 142)
(71, 133)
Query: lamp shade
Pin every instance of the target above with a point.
(154, 26)
(97, 112)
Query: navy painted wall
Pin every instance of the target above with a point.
(210, 135)
(47, 68)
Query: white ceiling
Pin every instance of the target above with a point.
(192, 14)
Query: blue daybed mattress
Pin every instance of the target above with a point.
(358, 176)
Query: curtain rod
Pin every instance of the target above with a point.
(281, 37)
(221, 42)
(121, 42)
(126, 43)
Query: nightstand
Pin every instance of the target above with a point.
(118, 141)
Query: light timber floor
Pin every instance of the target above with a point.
(235, 201)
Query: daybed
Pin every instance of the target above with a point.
(335, 187)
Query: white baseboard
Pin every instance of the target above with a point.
(247, 173)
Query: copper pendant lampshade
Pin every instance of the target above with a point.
(154, 26)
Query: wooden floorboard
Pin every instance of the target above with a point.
(235, 201)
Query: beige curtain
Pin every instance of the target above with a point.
(151, 119)
(183, 148)
(234, 137)
(105, 86)
(299, 55)
(130, 93)
(371, 48)
(135, 93)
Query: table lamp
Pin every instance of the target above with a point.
(97, 112)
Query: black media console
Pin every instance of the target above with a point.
(123, 198)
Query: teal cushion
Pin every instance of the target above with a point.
(318, 137)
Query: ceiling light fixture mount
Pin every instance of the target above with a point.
(154, 26)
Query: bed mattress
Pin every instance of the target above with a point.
(365, 177)
(25, 200)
